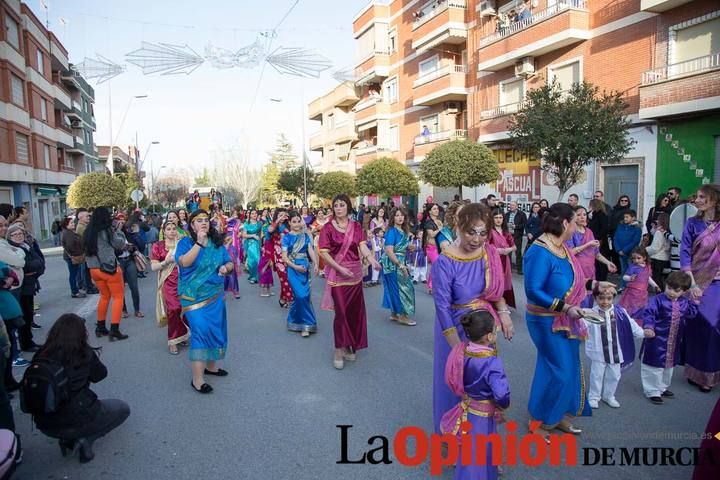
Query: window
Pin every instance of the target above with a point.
(86, 135)
(40, 62)
(431, 122)
(696, 41)
(511, 92)
(365, 45)
(85, 104)
(11, 31)
(46, 156)
(391, 90)
(18, 90)
(21, 147)
(394, 138)
(566, 75)
(43, 109)
(392, 41)
(428, 66)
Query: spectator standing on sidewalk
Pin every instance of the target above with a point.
(85, 283)
(516, 221)
(15, 259)
(73, 254)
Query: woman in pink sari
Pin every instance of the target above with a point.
(342, 247)
(432, 225)
(503, 240)
(587, 250)
(167, 308)
(700, 257)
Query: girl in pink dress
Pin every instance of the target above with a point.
(637, 278)
(265, 268)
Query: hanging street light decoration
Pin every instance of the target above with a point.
(99, 68)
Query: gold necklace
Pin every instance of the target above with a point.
(557, 249)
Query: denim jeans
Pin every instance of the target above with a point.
(74, 271)
(624, 263)
(130, 276)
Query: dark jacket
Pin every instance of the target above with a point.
(534, 226)
(520, 221)
(83, 404)
(627, 236)
(598, 224)
(653, 216)
(616, 218)
(71, 243)
(34, 267)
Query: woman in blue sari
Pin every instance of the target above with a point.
(399, 294)
(297, 246)
(203, 263)
(555, 286)
(447, 236)
(251, 233)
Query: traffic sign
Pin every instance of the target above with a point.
(137, 195)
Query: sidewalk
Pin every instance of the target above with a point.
(49, 249)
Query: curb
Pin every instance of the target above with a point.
(52, 251)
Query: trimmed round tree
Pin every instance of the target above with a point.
(330, 184)
(386, 177)
(96, 190)
(459, 163)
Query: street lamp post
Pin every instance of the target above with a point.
(113, 139)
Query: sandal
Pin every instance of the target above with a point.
(408, 322)
(125, 315)
(173, 352)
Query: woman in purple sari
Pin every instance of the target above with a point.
(700, 257)
(342, 247)
(587, 250)
(468, 276)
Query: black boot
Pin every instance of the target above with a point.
(101, 330)
(66, 447)
(84, 447)
(115, 333)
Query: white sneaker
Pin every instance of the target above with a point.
(612, 402)
(593, 404)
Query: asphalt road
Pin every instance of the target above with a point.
(276, 415)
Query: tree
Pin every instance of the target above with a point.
(292, 181)
(283, 155)
(269, 191)
(386, 177)
(334, 183)
(171, 188)
(568, 131)
(129, 178)
(238, 181)
(203, 180)
(96, 190)
(459, 163)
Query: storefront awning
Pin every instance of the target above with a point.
(46, 191)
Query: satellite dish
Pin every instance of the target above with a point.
(679, 216)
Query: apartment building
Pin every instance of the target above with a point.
(46, 120)
(122, 160)
(428, 71)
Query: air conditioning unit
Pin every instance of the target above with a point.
(76, 123)
(487, 8)
(452, 107)
(525, 67)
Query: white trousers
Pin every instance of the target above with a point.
(375, 274)
(655, 380)
(420, 274)
(604, 379)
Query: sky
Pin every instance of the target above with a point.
(196, 116)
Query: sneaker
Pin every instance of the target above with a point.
(78, 295)
(35, 326)
(668, 394)
(20, 362)
(612, 402)
(657, 400)
(593, 404)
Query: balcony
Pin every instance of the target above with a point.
(61, 97)
(343, 132)
(500, 111)
(370, 110)
(681, 88)
(64, 138)
(317, 141)
(658, 6)
(438, 22)
(374, 68)
(547, 30)
(445, 84)
(342, 96)
(441, 136)
(369, 153)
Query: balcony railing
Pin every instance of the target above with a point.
(368, 150)
(367, 103)
(689, 67)
(434, 8)
(440, 72)
(501, 110)
(505, 30)
(441, 136)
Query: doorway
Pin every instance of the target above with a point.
(621, 180)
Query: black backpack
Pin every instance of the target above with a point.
(45, 387)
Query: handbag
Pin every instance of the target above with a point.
(140, 261)
(109, 267)
(77, 259)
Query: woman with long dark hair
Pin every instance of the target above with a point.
(432, 225)
(83, 418)
(299, 256)
(203, 263)
(399, 292)
(101, 240)
(662, 205)
(555, 286)
(598, 223)
(504, 242)
(252, 234)
(533, 227)
(274, 233)
(343, 248)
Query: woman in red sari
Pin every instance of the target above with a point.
(502, 240)
(342, 247)
(275, 231)
(168, 308)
